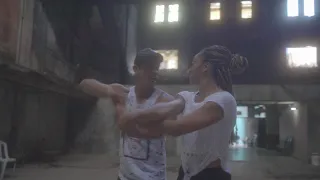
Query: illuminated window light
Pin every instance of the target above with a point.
(302, 57)
(170, 59)
(292, 8)
(159, 14)
(246, 9)
(173, 15)
(215, 11)
(308, 8)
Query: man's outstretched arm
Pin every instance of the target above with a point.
(166, 108)
(101, 90)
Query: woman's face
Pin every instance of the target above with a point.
(197, 69)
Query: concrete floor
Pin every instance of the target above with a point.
(245, 164)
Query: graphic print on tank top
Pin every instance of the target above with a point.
(137, 148)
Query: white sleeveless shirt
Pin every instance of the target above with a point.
(142, 159)
(202, 147)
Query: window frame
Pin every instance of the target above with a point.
(176, 54)
(155, 14)
(243, 8)
(300, 47)
(304, 8)
(211, 10)
(170, 12)
(301, 9)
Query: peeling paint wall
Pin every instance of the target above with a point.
(9, 25)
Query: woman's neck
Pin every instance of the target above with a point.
(207, 87)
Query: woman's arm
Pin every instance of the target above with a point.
(166, 108)
(208, 114)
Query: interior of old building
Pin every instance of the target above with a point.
(48, 46)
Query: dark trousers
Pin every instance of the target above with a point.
(208, 174)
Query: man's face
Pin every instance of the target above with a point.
(147, 73)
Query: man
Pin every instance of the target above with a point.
(142, 153)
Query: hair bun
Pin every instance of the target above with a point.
(238, 64)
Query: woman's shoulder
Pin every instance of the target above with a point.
(222, 96)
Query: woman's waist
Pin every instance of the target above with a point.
(196, 162)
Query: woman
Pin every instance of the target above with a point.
(207, 116)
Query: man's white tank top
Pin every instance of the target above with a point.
(142, 159)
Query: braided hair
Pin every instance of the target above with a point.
(224, 64)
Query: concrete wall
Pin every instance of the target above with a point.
(31, 120)
(295, 124)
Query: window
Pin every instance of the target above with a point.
(215, 11)
(159, 14)
(308, 8)
(246, 9)
(292, 8)
(173, 15)
(170, 59)
(302, 56)
(242, 111)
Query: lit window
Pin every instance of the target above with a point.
(215, 11)
(302, 56)
(159, 15)
(246, 9)
(170, 59)
(292, 8)
(308, 8)
(173, 15)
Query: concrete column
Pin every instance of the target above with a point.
(313, 127)
(295, 123)
(272, 121)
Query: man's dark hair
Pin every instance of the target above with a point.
(146, 56)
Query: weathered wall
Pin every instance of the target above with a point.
(100, 134)
(131, 37)
(295, 124)
(9, 25)
(32, 120)
(6, 108)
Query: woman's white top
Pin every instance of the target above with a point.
(202, 147)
